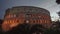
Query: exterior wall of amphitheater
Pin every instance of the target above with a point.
(26, 14)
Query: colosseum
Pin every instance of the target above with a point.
(25, 14)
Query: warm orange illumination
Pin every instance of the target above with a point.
(20, 15)
(12, 21)
(9, 24)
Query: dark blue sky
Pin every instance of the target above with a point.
(47, 4)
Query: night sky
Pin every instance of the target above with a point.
(50, 5)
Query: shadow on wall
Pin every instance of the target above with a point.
(26, 29)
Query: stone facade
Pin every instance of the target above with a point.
(25, 14)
